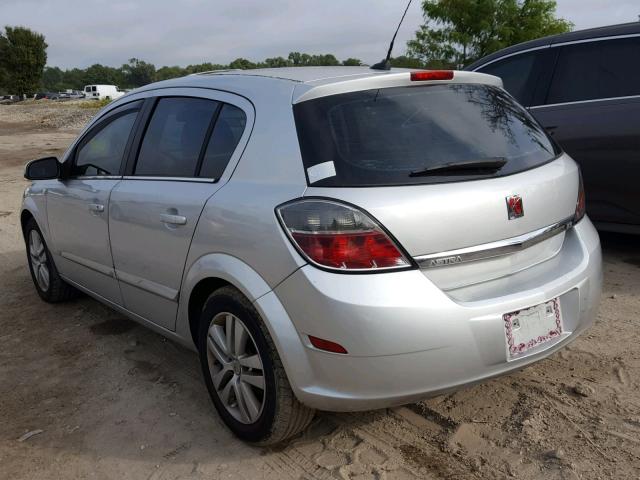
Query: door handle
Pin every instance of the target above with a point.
(96, 207)
(173, 219)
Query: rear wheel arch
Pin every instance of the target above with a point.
(206, 275)
(198, 298)
(211, 272)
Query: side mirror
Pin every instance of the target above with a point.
(46, 168)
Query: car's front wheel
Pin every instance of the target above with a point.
(49, 285)
(244, 374)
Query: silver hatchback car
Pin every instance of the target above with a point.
(326, 238)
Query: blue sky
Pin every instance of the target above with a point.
(180, 32)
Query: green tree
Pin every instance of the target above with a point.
(53, 79)
(404, 61)
(75, 78)
(204, 67)
(23, 55)
(242, 64)
(102, 74)
(458, 32)
(276, 62)
(137, 73)
(165, 73)
(324, 60)
(352, 62)
(298, 59)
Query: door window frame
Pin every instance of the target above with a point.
(542, 91)
(96, 128)
(154, 96)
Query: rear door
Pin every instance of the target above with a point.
(593, 110)
(78, 207)
(183, 151)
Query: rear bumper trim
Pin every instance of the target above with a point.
(493, 249)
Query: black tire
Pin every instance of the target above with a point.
(282, 415)
(57, 290)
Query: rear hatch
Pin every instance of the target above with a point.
(444, 166)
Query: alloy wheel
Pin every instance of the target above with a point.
(236, 368)
(38, 256)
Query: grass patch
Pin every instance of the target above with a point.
(95, 103)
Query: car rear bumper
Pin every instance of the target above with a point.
(407, 339)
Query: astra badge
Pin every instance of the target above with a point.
(514, 207)
(441, 262)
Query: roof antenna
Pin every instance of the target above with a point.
(386, 64)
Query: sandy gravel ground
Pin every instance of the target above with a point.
(114, 400)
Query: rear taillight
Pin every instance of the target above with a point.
(580, 203)
(431, 75)
(339, 237)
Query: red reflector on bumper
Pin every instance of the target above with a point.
(327, 345)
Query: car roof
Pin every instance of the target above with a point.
(587, 34)
(308, 75)
(298, 82)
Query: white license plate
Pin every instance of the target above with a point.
(531, 327)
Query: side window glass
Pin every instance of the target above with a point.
(174, 137)
(224, 139)
(576, 76)
(619, 68)
(516, 73)
(102, 154)
(594, 70)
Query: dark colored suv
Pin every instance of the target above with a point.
(584, 87)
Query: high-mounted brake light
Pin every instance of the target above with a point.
(339, 237)
(431, 75)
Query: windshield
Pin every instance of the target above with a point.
(379, 137)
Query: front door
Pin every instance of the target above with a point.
(154, 211)
(78, 207)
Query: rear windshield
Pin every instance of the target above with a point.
(379, 137)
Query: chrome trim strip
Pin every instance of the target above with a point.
(493, 249)
(96, 177)
(90, 264)
(147, 285)
(596, 39)
(170, 179)
(509, 55)
(593, 100)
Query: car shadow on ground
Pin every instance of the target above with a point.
(617, 243)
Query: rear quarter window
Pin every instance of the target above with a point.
(228, 130)
(379, 137)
